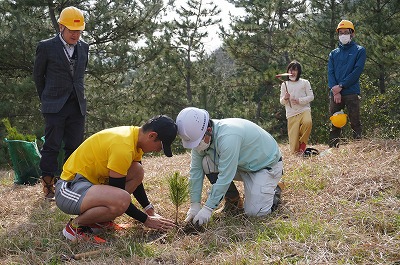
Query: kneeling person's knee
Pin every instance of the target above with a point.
(120, 203)
(260, 203)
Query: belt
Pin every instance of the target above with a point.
(269, 168)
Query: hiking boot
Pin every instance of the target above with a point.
(48, 187)
(281, 185)
(233, 205)
(277, 198)
(84, 233)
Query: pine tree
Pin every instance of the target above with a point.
(178, 191)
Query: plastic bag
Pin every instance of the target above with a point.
(25, 158)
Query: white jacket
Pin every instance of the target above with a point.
(300, 90)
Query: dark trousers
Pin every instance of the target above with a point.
(231, 193)
(352, 103)
(66, 126)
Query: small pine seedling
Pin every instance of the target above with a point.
(178, 191)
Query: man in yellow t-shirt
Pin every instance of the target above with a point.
(101, 174)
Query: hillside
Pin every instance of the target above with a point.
(341, 207)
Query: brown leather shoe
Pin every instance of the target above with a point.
(48, 187)
(233, 205)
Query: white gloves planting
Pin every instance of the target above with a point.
(203, 216)
(198, 214)
(193, 210)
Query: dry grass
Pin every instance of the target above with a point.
(341, 207)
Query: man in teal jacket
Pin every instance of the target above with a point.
(345, 66)
(226, 150)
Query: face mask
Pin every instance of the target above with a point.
(292, 78)
(202, 146)
(344, 39)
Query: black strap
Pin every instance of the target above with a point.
(72, 59)
(269, 168)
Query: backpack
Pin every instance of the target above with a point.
(310, 152)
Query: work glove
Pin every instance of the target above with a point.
(203, 216)
(193, 210)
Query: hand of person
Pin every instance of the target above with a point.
(203, 216)
(287, 96)
(151, 212)
(158, 222)
(193, 210)
(337, 98)
(336, 89)
(295, 101)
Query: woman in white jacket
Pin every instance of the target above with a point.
(296, 95)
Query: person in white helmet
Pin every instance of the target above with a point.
(226, 150)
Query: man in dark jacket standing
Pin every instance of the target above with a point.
(58, 73)
(345, 66)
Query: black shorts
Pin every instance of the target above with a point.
(70, 194)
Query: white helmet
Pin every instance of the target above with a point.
(192, 125)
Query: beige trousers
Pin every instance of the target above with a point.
(299, 130)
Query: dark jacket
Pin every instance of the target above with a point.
(53, 78)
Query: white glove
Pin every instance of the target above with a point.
(203, 216)
(193, 210)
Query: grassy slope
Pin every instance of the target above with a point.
(338, 208)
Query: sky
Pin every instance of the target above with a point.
(213, 42)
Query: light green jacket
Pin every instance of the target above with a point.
(237, 144)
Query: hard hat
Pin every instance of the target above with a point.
(345, 24)
(192, 125)
(339, 119)
(72, 18)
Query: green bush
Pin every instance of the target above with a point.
(380, 113)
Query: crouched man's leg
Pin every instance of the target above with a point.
(262, 193)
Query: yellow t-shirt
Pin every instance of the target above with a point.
(110, 149)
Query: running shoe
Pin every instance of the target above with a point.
(80, 233)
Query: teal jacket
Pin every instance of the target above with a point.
(237, 144)
(345, 66)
